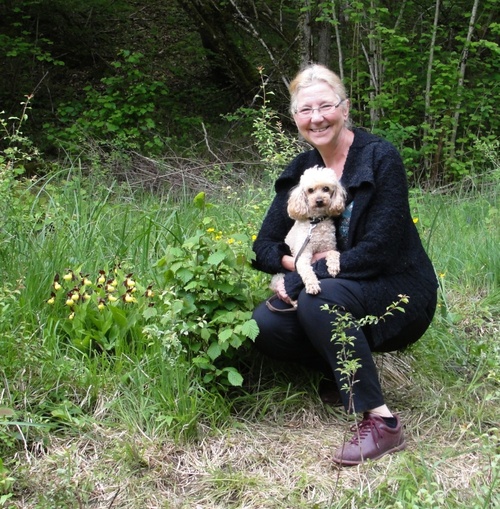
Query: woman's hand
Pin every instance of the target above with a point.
(319, 256)
(281, 292)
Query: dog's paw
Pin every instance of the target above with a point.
(313, 288)
(333, 263)
(275, 281)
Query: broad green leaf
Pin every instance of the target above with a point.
(250, 329)
(214, 351)
(235, 379)
(225, 335)
(199, 200)
(216, 258)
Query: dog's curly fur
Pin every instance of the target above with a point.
(318, 197)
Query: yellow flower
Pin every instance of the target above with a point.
(70, 302)
(415, 220)
(230, 241)
(86, 296)
(71, 316)
(86, 281)
(129, 298)
(129, 282)
(254, 237)
(112, 298)
(210, 230)
(57, 286)
(68, 276)
(110, 288)
(442, 274)
(75, 296)
(51, 300)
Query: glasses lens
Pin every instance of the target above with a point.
(322, 110)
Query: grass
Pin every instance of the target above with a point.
(145, 430)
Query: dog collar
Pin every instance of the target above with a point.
(316, 220)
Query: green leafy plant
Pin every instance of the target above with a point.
(104, 313)
(15, 150)
(275, 145)
(209, 297)
(121, 113)
(345, 322)
(6, 483)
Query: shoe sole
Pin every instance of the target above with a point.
(351, 463)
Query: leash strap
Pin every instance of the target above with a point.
(274, 309)
(312, 225)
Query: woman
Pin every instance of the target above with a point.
(381, 258)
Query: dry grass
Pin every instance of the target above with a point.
(255, 464)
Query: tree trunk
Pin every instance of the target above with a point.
(461, 78)
(335, 22)
(229, 66)
(324, 43)
(306, 35)
(430, 168)
(373, 60)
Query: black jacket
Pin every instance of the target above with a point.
(383, 251)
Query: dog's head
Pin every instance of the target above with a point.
(319, 193)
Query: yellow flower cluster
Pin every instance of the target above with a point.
(80, 289)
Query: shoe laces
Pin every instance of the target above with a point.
(364, 428)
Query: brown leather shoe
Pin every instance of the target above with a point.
(372, 439)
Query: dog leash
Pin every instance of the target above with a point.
(313, 222)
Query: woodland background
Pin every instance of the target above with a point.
(154, 78)
(139, 141)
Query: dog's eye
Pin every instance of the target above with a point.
(326, 189)
(310, 190)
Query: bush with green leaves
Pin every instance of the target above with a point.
(121, 113)
(210, 293)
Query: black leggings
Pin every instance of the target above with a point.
(305, 337)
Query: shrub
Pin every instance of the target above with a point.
(209, 297)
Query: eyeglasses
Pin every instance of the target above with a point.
(322, 110)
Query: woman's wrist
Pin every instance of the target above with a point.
(288, 262)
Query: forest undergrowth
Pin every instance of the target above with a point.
(128, 377)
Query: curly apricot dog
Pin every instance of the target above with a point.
(313, 204)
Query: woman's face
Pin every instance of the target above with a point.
(320, 128)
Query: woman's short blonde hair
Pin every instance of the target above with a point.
(310, 75)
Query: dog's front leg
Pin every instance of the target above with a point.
(306, 272)
(333, 262)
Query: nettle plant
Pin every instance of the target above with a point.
(210, 292)
(103, 313)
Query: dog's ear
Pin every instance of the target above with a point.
(337, 203)
(297, 204)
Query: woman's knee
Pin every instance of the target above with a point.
(341, 293)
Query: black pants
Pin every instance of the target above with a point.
(305, 337)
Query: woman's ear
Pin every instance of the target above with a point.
(297, 204)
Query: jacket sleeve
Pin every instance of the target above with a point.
(270, 246)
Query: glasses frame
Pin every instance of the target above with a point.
(308, 112)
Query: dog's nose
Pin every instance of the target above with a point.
(319, 202)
